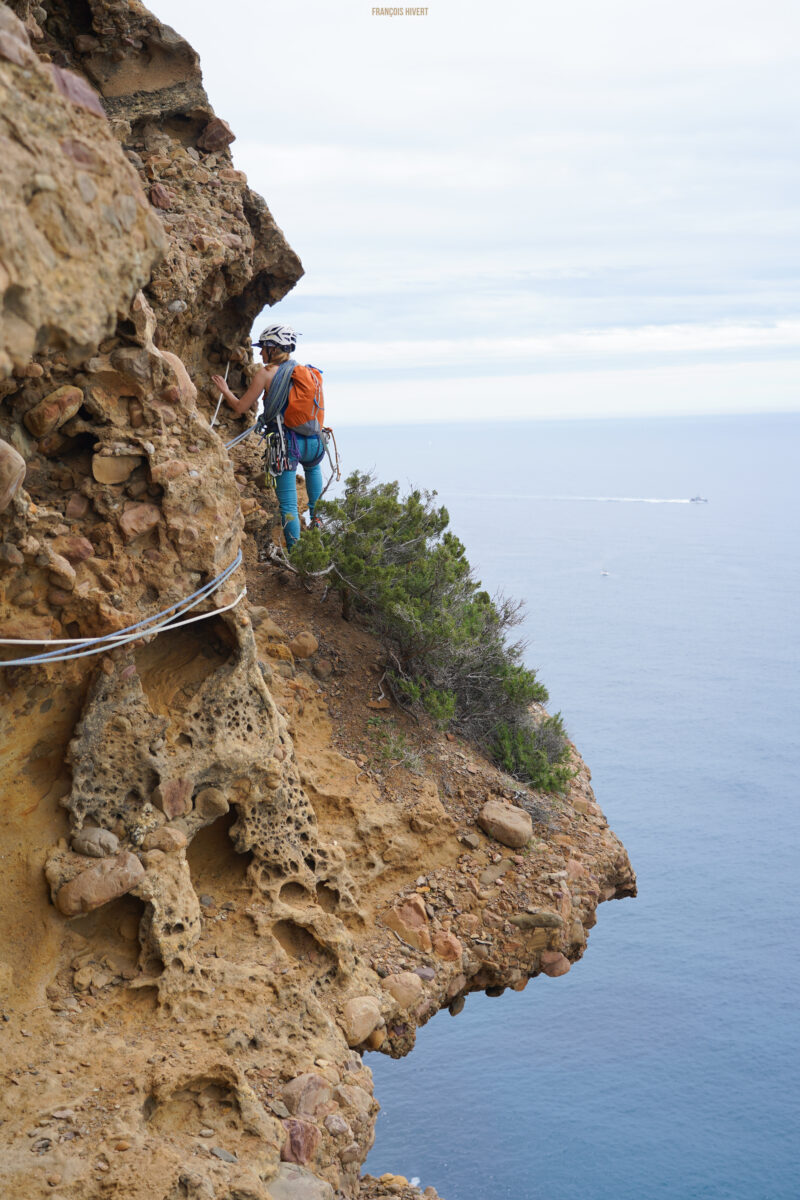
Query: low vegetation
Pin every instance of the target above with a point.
(447, 641)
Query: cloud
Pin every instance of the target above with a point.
(706, 388)
(570, 188)
(488, 354)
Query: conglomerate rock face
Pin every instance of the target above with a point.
(209, 913)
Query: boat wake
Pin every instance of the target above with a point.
(515, 499)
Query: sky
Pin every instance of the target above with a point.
(525, 209)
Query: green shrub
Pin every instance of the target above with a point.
(534, 752)
(446, 640)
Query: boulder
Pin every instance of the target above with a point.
(361, 1016)
(294, 1182)
(51, 412)
(405, 986)
(306, 1094)
(109, 879)
(216, 135)
(304, 645)
(506, 823)
(12, 473)
(553, 963)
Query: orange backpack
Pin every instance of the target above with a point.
(305, 411)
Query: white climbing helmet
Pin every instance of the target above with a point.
(278, 335)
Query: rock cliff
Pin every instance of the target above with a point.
(228, 870)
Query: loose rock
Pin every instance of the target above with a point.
(506, 824)
(304, 645)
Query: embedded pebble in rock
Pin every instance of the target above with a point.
(77, 90)
(406, 987)
(537, 920)
(12, 473)
(10, 555)
(302, 1140)
(165, 839)
(52, 412)
(410, 920)
(160, 197)
(210, 803)
(337, 1126)
(361, 1016)
(111, 878)
(74, 549)
(306, 1094)
(116, 468)
(426, 973)
(447, 946)
(216, 135)
(506, 823)
(137, 519)
(294, 1182)
(174, 797)
(77, 507)
(554, 964)
(304, 645)
(224, 1155)
(95, 842)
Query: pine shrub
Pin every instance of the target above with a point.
(446, 640)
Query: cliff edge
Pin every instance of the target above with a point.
(230, 868)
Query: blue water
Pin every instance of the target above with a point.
(665, 1065)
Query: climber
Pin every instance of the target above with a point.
(294, 411)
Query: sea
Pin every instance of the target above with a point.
(665, 1066)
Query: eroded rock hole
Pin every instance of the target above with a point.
(112, 933)
(327, 898)
(215, 866)
(295, 894)
(300, 944)
(175, 665)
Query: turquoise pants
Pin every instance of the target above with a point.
(286, 486)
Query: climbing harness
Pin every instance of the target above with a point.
(142, 629)
(219, 402)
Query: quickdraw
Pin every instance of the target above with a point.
(336, 473)
(276, 452)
